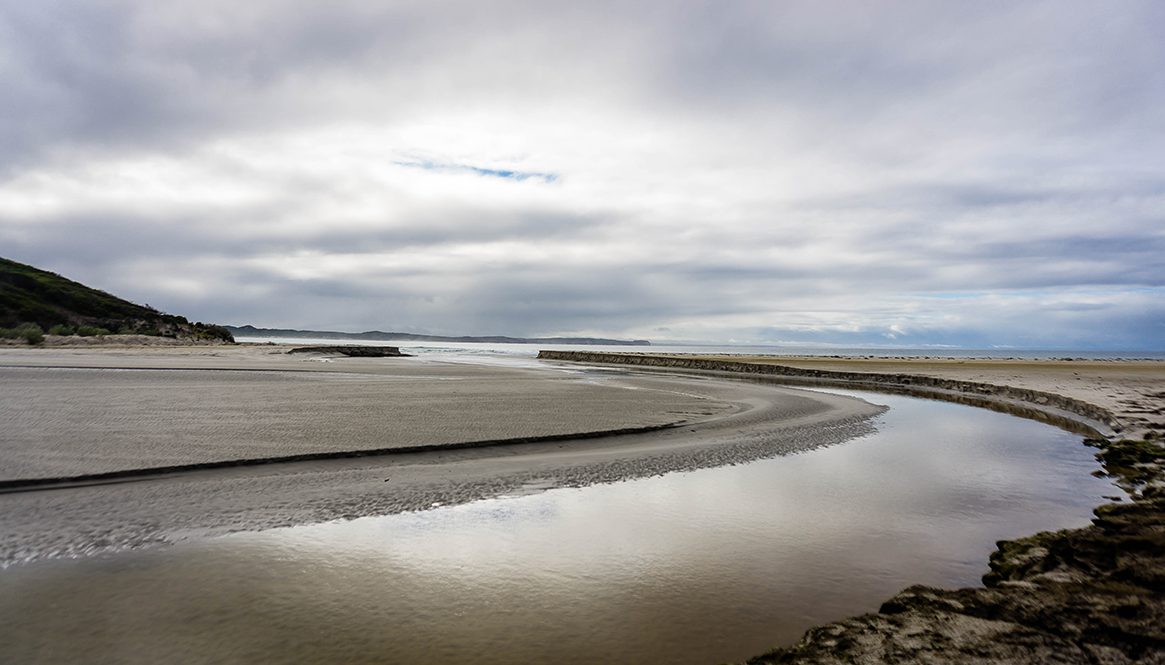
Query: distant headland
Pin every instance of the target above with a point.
(377, 335)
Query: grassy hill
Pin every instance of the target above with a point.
(30, 296)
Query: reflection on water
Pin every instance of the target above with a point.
(698, 567)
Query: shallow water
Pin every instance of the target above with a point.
(698, 567)
(479, 351)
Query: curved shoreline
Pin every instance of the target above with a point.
(1094, 595)
(1046, 586)
(1081, 416)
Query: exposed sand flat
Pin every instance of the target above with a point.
(79, 411)
(104, 410)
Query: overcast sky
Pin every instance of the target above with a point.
(972, 174)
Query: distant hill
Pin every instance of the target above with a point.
(29, 295)
(376, 335)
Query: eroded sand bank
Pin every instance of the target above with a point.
(81, 411)
(1133, 390)
(1124, 397)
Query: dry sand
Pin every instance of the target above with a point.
(1133, 390)
(80, 411)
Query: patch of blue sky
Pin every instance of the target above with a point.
(492, 173)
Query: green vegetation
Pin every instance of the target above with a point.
(29, 332)
(32, 333)
(212, 331)
(33, 300)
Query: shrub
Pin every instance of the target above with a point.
(62, 329)
(91, 331)
(124, 330)
(218, 332)
(32, 333)
(7, 333)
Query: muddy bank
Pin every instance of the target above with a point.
(1092, 595)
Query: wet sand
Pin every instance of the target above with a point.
(98, 413)
(77, 412)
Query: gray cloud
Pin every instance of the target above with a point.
(835, 172)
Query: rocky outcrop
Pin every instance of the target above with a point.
(1094, 595)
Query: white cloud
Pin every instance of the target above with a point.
(807, 171)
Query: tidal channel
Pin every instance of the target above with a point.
(699, 567)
